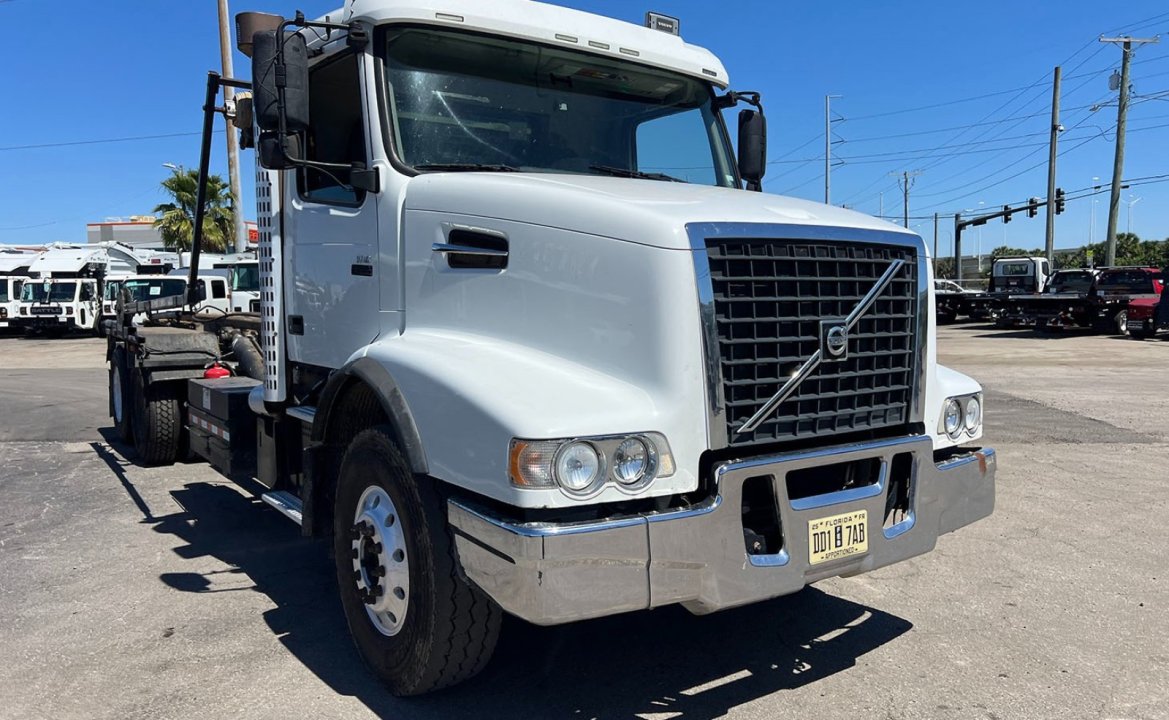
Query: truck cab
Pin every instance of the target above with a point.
(56, 306)
(244, 279)
(139, 288)
(532, 340)
(1019, 275)
(10, 286)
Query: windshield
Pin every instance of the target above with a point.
(1079, 281)
(58, 292)
(472, 102)
(1133, 281)
(141, 290)
(246, 278)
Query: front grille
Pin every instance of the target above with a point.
(770, 297)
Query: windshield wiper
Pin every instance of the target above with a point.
(627, 173)
(470, 167)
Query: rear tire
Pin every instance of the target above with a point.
(444, 630)
(157, 421)
(120, 406)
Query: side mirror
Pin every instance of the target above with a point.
(276, 155)
(752, 148)
(269, 75)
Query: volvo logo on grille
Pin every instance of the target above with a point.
(834, 340)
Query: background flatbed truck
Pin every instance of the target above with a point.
(503, 365)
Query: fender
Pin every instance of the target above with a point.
(370, 372)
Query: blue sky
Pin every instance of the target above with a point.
(958, 91)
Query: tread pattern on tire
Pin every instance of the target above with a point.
(460, 648)
(157, 421)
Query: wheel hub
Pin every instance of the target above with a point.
(381, 570)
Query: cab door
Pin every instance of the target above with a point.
(88, 309)
(331, 247)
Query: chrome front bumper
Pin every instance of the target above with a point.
(555, 573)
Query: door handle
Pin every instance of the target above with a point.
(474, 248)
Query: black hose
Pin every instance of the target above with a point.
(247, 354)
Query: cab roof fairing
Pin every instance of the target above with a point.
(542, 23)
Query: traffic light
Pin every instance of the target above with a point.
(1006, 214)
(1032, 207)
(1059, 200)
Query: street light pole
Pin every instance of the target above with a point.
(1131, 201)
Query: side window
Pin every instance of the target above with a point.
(218, 289)
(664, 145)
(337, 133)
(86, 291)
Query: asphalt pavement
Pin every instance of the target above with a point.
(131, 592)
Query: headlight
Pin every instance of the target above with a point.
(973, 414)
(952, 419)
(582, 466)
(631, 461)
(578, 465)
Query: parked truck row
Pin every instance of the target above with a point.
(1022, 294)
(530, 341)
(74, 288)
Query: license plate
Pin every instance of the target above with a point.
(838, 536)
(1135, 324)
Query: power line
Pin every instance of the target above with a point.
(101, 141)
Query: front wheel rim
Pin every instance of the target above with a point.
(381, 568)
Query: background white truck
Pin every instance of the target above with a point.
(13, 274)
(527, 344)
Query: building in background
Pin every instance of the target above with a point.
(139, 231)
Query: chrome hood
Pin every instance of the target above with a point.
(650, 212)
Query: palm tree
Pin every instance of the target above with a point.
(177, 221)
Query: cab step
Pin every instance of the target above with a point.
(286, 503)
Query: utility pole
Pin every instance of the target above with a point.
(905, 181)
(935, 242)
(958, 247)
(1051, 155)
(828, 148)
(241, 233)
(1121, 118)
(881, 212)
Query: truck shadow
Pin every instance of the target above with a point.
(661, 661)
(1032, 334)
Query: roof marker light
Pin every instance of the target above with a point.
(627, 51)
(566, 38)
(663, 23)
(598, 45)
(448, 16)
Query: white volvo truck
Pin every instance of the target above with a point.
(528, 345)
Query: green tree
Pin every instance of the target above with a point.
(176, 221)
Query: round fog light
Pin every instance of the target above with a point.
(577, 466)
(973, 414)
(630, 461)
(952, 420)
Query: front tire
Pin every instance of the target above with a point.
(417, 624)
